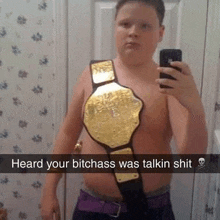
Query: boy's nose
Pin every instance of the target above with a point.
(134, 32)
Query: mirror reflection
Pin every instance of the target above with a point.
(45, 53)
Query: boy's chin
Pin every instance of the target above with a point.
(136, 55)
(135, 60)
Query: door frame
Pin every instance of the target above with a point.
(60, 38)
(205, 184)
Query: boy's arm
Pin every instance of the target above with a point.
(188, 126)
(186, 111)
(69, 131)
(64, 144)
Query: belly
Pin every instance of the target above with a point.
(105, 184)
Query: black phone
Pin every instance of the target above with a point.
(167, 56)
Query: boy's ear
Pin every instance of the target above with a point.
(162, 31)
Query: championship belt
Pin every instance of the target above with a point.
(111, 117)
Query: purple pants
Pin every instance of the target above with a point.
(160, 213)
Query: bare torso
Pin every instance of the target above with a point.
(152, 136)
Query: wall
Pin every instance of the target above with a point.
(27, 97)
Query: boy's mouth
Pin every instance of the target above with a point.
(132, 44)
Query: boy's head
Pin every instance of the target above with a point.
(138, 29)
(158, 5)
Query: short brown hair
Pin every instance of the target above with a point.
(157, 4)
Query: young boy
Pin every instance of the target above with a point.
(166, 112)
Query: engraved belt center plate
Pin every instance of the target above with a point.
(112, 114)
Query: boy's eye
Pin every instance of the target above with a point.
(146, 26)
(124, 24)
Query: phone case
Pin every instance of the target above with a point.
(167, 56)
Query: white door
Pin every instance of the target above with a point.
(90, 34)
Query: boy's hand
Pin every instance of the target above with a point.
(50, 209)
(183, 88)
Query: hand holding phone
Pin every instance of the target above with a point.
(166, 57)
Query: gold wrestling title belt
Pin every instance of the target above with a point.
(111, 117)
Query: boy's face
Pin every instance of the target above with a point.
(137, 31)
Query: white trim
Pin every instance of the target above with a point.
(180, 10)
(200, 196)
(217, 140)
(169, 6)
(201, 183)
(204, 190)
(60, 85)
(60, 38)
(104, 42)
(210, 78)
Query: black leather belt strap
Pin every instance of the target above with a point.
(130, 188)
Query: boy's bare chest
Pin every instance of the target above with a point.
(154, 114)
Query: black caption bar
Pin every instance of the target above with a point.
(147, 163)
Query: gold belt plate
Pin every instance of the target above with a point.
(112, 114)
(102, 72)
(124, 177)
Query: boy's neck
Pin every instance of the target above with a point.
(135, 65)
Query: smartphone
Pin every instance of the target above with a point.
(167, 56)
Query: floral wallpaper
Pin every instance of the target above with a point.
(26, 97)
